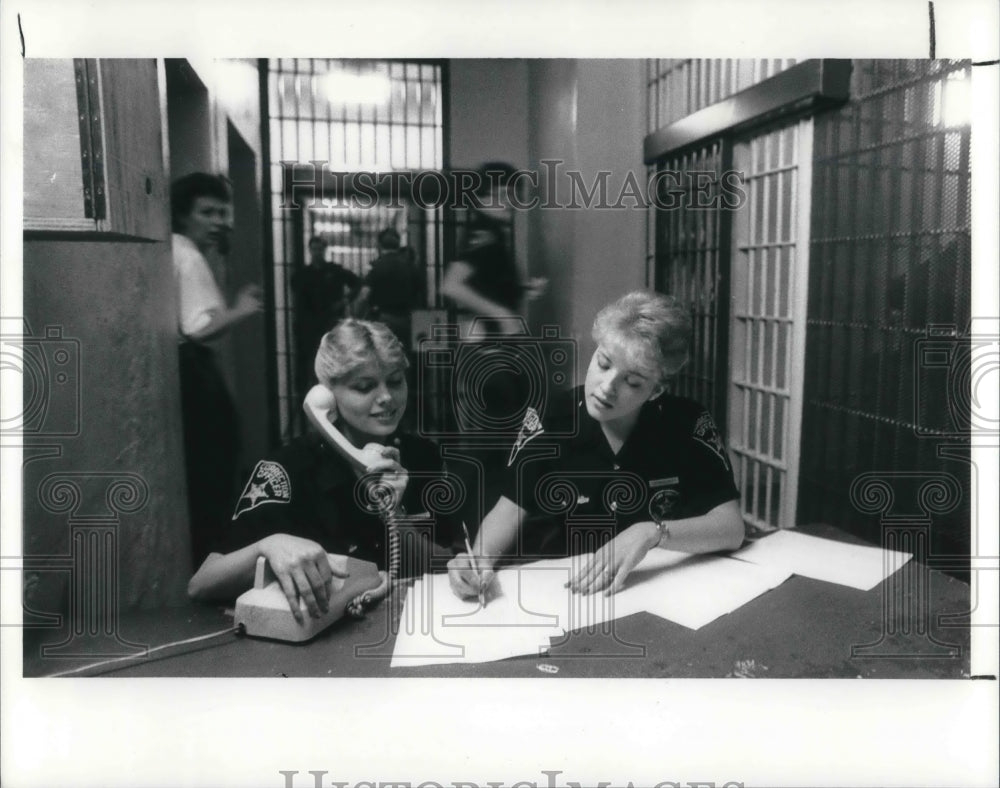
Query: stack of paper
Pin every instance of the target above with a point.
(857, 566)
(436, 627)
(696, 589)
(529, 605)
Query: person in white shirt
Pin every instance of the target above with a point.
(201, 208)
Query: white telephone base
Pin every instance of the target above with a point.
(263, 610)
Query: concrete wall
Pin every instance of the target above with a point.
(589, 115)
(488, 103)
(488, 113)
(189, 120)
(116, 299)
(610, 242)
(553, 105)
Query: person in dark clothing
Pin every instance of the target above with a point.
(200, 205)
(654, 466)
(485, 287)
(306, 500)
(393, 288)
(323, 294)
(483, 282)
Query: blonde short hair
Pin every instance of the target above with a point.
(649, 325)
(352, 343)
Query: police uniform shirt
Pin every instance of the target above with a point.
(309, 490)
(674, 464)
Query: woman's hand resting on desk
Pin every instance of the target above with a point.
(302, 569)
(465, 581)
(607, 569)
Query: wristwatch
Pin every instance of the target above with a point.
(664, 529)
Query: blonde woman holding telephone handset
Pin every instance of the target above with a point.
(316, 495)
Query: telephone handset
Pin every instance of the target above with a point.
(263, 610)
(318, 404)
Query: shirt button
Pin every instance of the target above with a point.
(617, 467)
(614, 506)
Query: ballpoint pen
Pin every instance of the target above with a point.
(475, 565)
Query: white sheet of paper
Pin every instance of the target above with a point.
(593, 611)
(436, 627)
(691, 590)
(696, 590)
(857, 566)
(530, 604)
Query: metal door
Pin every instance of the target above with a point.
(769, 277)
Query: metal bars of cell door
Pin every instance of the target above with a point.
(687, 264)
(769, 277)
(348, 115)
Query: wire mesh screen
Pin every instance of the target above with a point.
(687, 241)
(891, 258)
(351, 116)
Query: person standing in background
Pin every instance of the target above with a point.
(200, 206)
(483, 282)
(485, 287)
(393, 288)
(323, 294)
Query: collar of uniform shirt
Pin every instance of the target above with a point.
(590, 433)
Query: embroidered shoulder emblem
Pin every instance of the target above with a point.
(531, 427)
(707, 433)
(268, 483)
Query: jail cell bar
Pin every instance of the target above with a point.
(687, 264)
(332, 111)
(767, 326)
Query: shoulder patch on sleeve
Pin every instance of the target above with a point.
(707, 433)
(531, 427)
(269, 483)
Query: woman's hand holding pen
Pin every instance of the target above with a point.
(469, 575)
(607, 569)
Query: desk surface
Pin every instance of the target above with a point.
(802, 629)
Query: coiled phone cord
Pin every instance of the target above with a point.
(395, 550)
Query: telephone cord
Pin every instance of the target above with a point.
(91, 666)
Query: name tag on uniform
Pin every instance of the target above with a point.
(667, 482)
